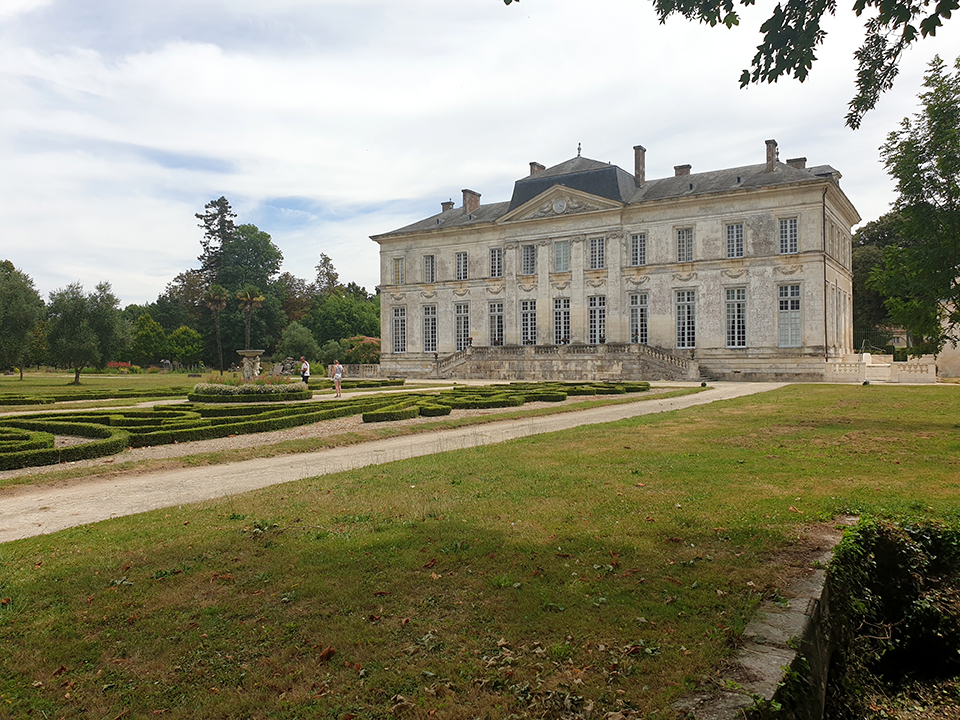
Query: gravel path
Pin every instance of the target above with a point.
(26, 510)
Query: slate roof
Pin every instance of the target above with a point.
(611, 182)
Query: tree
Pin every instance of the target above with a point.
(249, 299)
(327, 276)
(218, 230)
(335, 317)
(249, 257)
(297, 341)
(869, 312)
(148, 342)
(184, 345)
(363, 350)
(216, 298)
(295, 294)
(21, 309)
(792, 34)
(919, 276)
(71, 340)
(106, 322)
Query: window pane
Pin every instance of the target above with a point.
(789, 239)
(561, 256)
(496, 262)
(430, 328)
(686, 319)
(528, 322)
(638, 249)
(685, 245)
(736, 317)
(399, 329)
(735, 240)
(461, 325)
(561, 321)
(596, 319)
(638, 318)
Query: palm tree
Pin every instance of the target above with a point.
(216, 299)
(249, 300)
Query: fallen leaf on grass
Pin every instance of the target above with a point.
(325, 655)
(59, 671)
(380, 593)
(430, 564)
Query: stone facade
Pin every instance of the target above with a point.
(744, 273)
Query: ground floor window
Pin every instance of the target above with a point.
(596, 319)
(399, 329)
(736, 317)
(638, 318)
(788, 317)
(686, 318)
(429, 328)
(561, 321)
(461, 315)
(528, 322)
(496, 324)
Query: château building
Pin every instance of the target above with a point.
(591, 271)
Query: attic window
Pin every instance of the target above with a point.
(738, 179)
(691, 186)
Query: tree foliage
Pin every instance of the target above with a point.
(793, 33)
(71, 340)
(248, 300)
(869, 311)
(297, 341)
(336, 317)
(148, 342)
(184, 345)
(919, 275)
(218, 230)
(21, 309)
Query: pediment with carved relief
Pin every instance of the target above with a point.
(557, 202)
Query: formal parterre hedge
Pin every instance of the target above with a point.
(48, 396)
(29, 440)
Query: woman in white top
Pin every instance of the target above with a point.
(337, 376)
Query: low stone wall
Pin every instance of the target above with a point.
(615, 361)
(357, 371)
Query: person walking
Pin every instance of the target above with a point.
(337, 376)
(305, 371)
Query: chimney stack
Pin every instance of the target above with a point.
(448, 205)
(679, 170)
(640, 164)
(536, 168)
(798, 163)
(772, 155)
(471, 201)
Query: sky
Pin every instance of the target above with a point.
(324, 122)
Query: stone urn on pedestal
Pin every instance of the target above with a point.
(251, 363)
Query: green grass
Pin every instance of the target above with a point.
(609, 565)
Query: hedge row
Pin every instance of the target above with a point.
(400, 411)
(109, 441)
(243, 398)
(47, 396)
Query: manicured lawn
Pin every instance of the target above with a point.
(606, 568)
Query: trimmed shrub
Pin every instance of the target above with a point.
(108, 441)
(391, 413)
(430, 410)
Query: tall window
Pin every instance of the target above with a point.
(638, 249)
(735, 240)
(685, 245)
(398, 271)
(789, 239)
(496, 262)
(399, 329)
(429, 328)
(596, 319)
(638, 318)
(686, 318)
(429, 268)
(461, 265)
(561, 321)
(528, 259)
(561, 256)
(528, 322)
(736, 317)
(597, 253)
(496, 324)
(788, 317)
(461, 317)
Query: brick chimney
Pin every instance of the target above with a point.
(471, 201)
(798, 163)
(772, 155)
(536, 168)
(448, 205)
(639, 164)
(679, 170)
